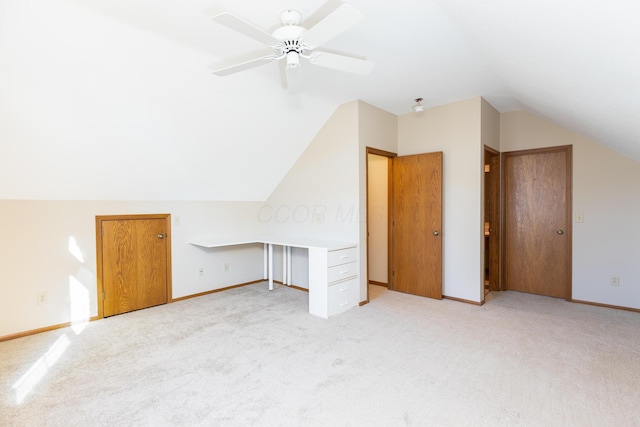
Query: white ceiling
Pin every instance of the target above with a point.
(114, 99)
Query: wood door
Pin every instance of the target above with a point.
(537, 219)
(135, 258)
(492, 217)
(417, 225)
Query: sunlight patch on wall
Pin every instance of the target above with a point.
(75, 250)
(79, 297)
(80, 309)
(39, 369)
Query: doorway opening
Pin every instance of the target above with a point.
(412, 226)
(379, 197)
(491, 231)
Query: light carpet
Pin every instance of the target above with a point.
(248, 356)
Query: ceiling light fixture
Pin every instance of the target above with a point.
(418, 108)
(293, 59)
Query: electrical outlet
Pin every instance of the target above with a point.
(580, 217)
(201, 271)
(42, 298)
(614, 280)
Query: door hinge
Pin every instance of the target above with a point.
(103, 296)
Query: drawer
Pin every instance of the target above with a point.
(341, 272)
(342, 296)
(342, 256)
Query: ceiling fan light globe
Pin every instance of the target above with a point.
(293, 59)
(418, 108)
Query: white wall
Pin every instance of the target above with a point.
(377, 129)
(121, 112)
(606, 189)
(490, 132)
(40, 238)
(454, 129)
(318, 197)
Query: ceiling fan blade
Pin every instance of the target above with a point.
(294, 80)
(335, 23)
(244, 27)
(341, 62)
(225, 71)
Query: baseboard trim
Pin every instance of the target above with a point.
(363, 303)
(299, 288)
(466, 301)
(213, 291)
(597, 304)
(373, 282)
(292, 286)
(40, 330)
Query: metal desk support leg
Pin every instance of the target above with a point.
(270, 266)
(265, 263)
(289, 262)
(285, 278)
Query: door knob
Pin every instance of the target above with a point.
(160, 236)
(560, 232)
(436, 233)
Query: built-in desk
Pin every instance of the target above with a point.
(333, 268)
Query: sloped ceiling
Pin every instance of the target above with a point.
(114, 99)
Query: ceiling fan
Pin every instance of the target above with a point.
(293, 42)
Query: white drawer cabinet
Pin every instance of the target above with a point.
(333, 280)
(342, 296)
(342, 256)
(342, 272)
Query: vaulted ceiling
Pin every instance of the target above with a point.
(114, 99)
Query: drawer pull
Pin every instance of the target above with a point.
(344, 271)
(344, 256)
(343, 304)
(344, 289)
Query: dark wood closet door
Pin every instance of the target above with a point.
(537, 245)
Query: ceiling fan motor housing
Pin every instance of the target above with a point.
(290, 46)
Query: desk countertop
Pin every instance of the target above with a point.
(295, 241)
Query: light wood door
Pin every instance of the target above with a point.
(134, 263)
(537, 216)
(417, 225)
